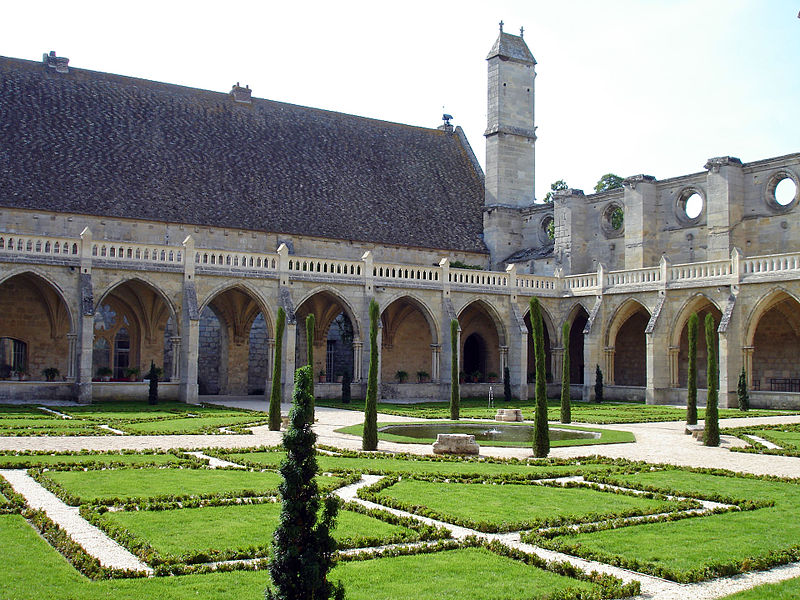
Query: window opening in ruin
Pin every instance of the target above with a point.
(330, 359)
(785, 191)
(693, 206)
(475, 356)
(13, 356)
(122, 351)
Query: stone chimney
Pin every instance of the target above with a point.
(241, 94)
(59, 63)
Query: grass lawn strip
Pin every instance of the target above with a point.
(493, 507)
(582, 412)
(94, 459)
(702, 548)
(784, 590)
(785, 436)
(607, 436)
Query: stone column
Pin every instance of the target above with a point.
(358, 357)
(747, 359)
(86, 327)
(674, 379)
(435, 368)
(270, 362)
(238, 357)
(593, 352)
(72, 359)
(289, 343)
(640, 200)
(658, 367)
(608, 369)
(557, 356)
(176, 363)
(724, 204)
(190, 328)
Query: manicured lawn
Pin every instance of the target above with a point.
(582, 412)
(95, 485)
(173, 532)
(606, 436)
(786, 590)
(32, 570)
(186, 425)
(33, 460)
(419, 465)
(513, 506)
(786, 439)
(688, 547)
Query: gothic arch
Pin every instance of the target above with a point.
(553, 332)
(691, 305)
(341, 299)
(148, 316)
(491, 311)
(623, 312)
(58, 309)
(764, 305)
(420, 304)
(626, 345)
(248, 290)
(773, 342)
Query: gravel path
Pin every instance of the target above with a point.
(94, 541)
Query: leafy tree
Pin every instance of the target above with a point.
(691, 398)
(741, 391)
(541, 433)
(556, 186)
(598, 384)
(303, 547)
(711, 433)
(152, 391)
(346, 387)
(275, 392)
(369, 441)
(455, 390)
(566, 409)
(311, 323)
(506, 385)
(617, 218)
(609, 181)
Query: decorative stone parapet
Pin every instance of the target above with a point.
(508, 414)
(455, 443)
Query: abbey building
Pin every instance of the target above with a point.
(147, 222)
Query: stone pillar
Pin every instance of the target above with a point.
(176, 363)
(674, 380)
(289, 343)
(640, 200)
(593, 351)
(72, 359)
(368, 267)
(658, 367)
(723, 204)
(747, 359)
(569, 219)
(608, 366)
(557, 358)
(190, 328)
(435, 368)
(731, 358)
(270, 362)
(358, 365)
(86, 326)
(238, 356)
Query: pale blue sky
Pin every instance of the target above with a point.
(630, 87)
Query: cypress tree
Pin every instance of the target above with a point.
(711, 433)
(369, 441)
(566, 409)
(346, 387)
(541, 435)
(506, 385)
(152, 390)
(455, 389)
(691, 398)
(303, 547)
(598, 384)
(741, 392)
(311, 323)
(275, 391)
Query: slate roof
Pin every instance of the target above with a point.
(95, 143)
(512, 47)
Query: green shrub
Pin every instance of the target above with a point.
(369, 441)
(506, 385)
(541, 436)
(741, 391)
(711, 433)
(275, 392)
(346, 387)
(691, 398)
(303, 548)
(311, 323)
(152, 391)
(598, 384)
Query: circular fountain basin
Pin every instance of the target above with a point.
(485, 432)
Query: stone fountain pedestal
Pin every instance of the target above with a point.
(508, 414)
(456, 443)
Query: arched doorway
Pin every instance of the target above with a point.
(774, 337)
(628, 345)
(579, 318)
(482, 328)
(702, 306)
(547, 325)
(408, 332)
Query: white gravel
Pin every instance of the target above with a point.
(766, 443)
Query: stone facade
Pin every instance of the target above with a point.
(200, 299)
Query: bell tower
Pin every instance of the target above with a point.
(510, 144)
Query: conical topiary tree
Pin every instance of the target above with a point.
(311, 323)
(506, 385)
(369, 440)
(152, 391)
(541, 434)
(346, 378)
(691, 383)
(566, 409)
(741, 391)
(303, 546)
(455, 389)
(275, 390)
(598, 384)
(711, 433)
